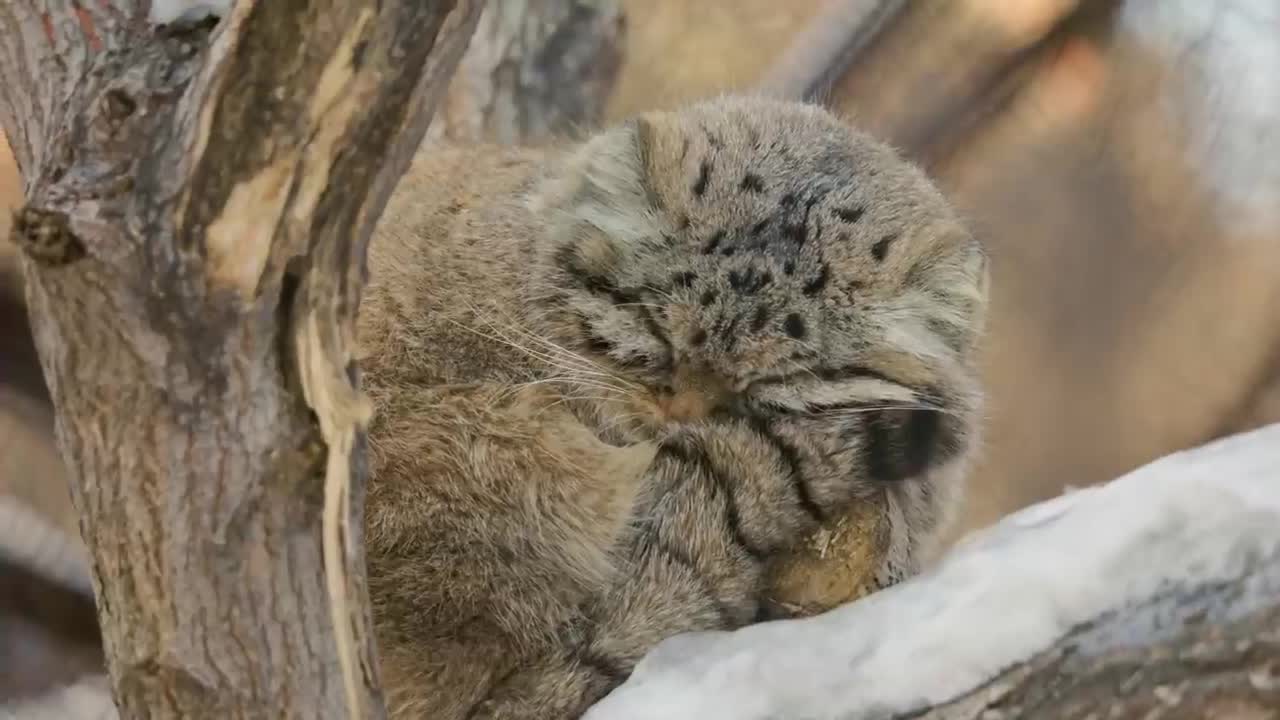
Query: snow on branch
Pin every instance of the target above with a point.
(1192, 519)
(167, 12)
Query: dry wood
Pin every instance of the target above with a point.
(199, 200)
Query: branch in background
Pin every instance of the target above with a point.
(919, 74)
(535, 71)
(199, 203)
(1156, 595)
(822, 53)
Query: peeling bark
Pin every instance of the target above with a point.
(199, 200)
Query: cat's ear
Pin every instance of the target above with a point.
(978, 266)
(663, 146)
(611, 186)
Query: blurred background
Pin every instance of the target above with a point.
(1121, 161)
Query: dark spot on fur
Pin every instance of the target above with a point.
(849, 215)
(788, 200)
(697, 337)
(793, 326)
(684, 222)
(796, 233)
(651, 324)
(760, 318)
(881, 249)
(704, 178)
(708, 297)
(594, 342)
(730, 333)
(713, 242)
(900, 444)
(749, 281)
(683, 279)
(728, 251)
(800, 233)
(815, 285)
(789, 267)
(760, 227)
(752, 183)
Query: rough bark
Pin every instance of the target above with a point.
(199, 200)
(535, 70)
(1189, 654)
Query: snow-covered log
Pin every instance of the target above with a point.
(1156, 593)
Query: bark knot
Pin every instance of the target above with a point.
(46, 236)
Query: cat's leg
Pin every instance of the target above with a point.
(491, 517)
(722, 500)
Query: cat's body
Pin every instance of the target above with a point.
(614, 380)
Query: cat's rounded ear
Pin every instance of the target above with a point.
(662, 146)
(979, 265)
(961, 279)
(606, 187)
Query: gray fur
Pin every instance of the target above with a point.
(615, 379)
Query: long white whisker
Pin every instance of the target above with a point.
(552, 350)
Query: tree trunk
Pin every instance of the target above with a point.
(199, 199)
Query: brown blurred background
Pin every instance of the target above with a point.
(1121, 160)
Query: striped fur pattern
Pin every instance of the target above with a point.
(616, 379)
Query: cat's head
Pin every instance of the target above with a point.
(746, 253)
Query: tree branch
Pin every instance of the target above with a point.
(1206, 652)
(199, 203)
(920, 74)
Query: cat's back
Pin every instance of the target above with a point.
(445, 264)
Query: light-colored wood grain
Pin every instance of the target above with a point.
(10, 198)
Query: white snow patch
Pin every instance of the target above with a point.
(1005, 594)
(166, 12)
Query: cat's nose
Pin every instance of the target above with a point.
(695, 394)
(686, 406)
